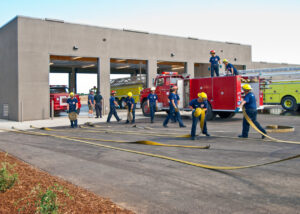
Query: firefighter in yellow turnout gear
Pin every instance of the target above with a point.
(199, 106)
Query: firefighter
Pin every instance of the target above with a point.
(250, 107)
(214, 63)
(173, 102)
(152, 103)
(72, 110)
(98, 104)
(199, 106)
(91, 103)
(230, 69)
(113, 105)
(130, 103)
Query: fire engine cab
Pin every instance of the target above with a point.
(59, 95)
(224, 93)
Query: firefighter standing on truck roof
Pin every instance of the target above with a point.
(152, 103)
(250, 107)
(214, 63)
(173, 103)
(72, 110)
(199, 113)
(130, 103)
(230, 69)
(113, 104)
(91, 103)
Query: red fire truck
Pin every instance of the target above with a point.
(59, 95)
(224, 93)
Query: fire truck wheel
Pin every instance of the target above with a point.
(210, 115)
(289, 103)
(226, 115)
(145, 109)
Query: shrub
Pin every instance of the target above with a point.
(7, 176)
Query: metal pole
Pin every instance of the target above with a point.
(52, 109)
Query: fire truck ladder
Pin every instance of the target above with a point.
(129, 81)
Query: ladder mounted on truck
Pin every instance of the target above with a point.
(129, 81)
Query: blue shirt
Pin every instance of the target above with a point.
(228, 68)
(250, 101)
(152, 98)
(98, 98)
(72, 104)
(91, 98)
(196, 104)
(129, 101)
(177, 96)
(173, 96)
(214, 60)
(112, 102)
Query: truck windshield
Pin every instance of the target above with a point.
(59, 90)
(173, 80)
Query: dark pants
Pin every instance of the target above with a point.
(177, 116)
(112, 111)
(98, 108)
(133, 114)
(214, 68)
(74, 123)
(252, 113)
(194, 125)
(152, 110)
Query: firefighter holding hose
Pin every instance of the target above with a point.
(130, 103)
(249, 102)
(199, 106)
(72, 110)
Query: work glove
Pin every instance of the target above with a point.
(118, 106)
(156, 108)
(176, 109)
(237, 110)
(220, 66)
(130, 110)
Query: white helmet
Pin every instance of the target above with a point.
(153, 89)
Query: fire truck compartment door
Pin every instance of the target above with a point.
(225, 92)
(180, 92)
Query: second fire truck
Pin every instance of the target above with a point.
(224, 93)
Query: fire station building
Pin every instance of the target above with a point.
(32, 48)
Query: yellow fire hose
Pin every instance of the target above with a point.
(145, 142)
(267, 136)
(157, 156)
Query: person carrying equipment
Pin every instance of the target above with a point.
(91, 103)
(199, 106)
(173, 102)
(250, 107)
(130, 103)
(152, 103)
(230, 69)
(113, 104)
(98, 104)
(214, 63)
(72, 110)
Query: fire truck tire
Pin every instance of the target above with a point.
(226, 115)
(145, 109)
(289, 103)
(210, 115)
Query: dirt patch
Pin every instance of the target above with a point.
(82, 201)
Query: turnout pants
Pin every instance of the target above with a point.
(214, 68)
(194, 125)
(112, 111)
(252, 113)
(133, 114)
(177, 116)
(152, 110)
(98, 108)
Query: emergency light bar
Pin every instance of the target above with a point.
(170, 73)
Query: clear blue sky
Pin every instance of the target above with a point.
(270, 26)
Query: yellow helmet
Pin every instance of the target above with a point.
(197, 112)
(247, 87)
(129, 94)
(72, 94)
(202, 95)
(225, 60)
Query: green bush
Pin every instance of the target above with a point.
(7, 176)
